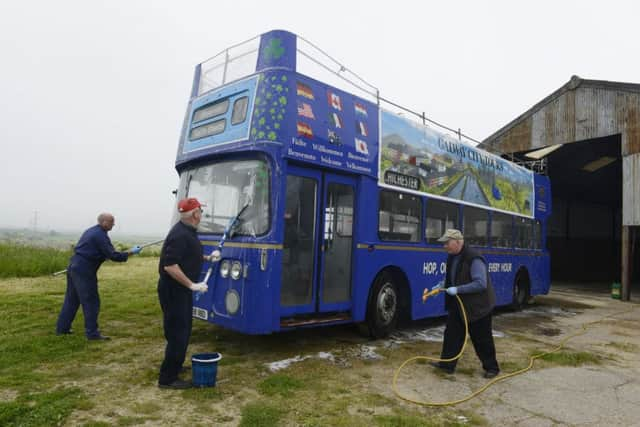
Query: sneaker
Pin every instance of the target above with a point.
(69, 332)
(99, 338)
(490, 374)
(176, 385)
(444, 369)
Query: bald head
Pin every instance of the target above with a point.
(106, 221)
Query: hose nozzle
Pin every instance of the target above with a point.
(428, 293)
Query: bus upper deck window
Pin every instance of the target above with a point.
(239, 110)
(209, 129)
(211, 110)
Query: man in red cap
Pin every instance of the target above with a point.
(180, 265)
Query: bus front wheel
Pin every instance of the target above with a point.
(383, 307)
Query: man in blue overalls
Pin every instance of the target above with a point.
(93, 248)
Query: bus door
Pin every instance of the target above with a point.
(318, 242)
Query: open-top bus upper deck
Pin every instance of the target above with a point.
(253, 94)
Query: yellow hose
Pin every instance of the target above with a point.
(496, 379)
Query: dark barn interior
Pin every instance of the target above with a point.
(583, 233)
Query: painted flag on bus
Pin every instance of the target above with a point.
(360, 109)
(361, 128)
(305, 130)
(304, 110)
(334, 101)
(361, 147)
(304, 91)
(336, 121)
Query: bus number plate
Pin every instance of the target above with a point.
(200, 313)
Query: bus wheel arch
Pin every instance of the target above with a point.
(521, 289)
(387, 301)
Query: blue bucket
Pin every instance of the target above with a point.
(204, 369)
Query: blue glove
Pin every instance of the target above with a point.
(440, 285)
(452, 290)
(135, 250)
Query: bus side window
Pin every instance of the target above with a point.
(476, 223)
(440, 216)
(399, 218)
(537, 232)
(524, 233)
(501, 230)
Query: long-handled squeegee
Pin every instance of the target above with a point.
(217, 253)
(141, 247)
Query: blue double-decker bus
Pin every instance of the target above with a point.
(337, 200)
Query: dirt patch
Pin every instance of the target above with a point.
(8, 395)
(549, 332)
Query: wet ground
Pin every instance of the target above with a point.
(594, 382)
(602, 391)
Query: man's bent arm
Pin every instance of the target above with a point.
(178, 275)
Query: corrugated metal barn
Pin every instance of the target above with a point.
(586, 137)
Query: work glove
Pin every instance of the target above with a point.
(135, 250)
(452, 290)
(440, 285)
(199, 287)
(215, 256)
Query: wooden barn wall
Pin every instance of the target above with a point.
(577, 115)
(631, 189)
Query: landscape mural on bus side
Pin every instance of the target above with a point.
(418, 158)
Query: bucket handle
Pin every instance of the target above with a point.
(217, 359)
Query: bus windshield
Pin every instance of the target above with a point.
(225, 188)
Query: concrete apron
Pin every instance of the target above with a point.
(598, 395)
(607, 394)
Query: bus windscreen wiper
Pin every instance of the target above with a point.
(215, 257)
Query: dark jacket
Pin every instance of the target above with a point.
(479, 304)
(93, 248)
(182, 247)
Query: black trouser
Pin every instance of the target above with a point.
(481, 337)
(177, 306)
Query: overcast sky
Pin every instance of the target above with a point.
(94, 92)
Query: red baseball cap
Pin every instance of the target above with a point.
(186, 205)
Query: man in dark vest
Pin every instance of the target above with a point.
(467, 276)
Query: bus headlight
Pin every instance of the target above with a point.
(224, 268)
(232, 301)
(236, 270)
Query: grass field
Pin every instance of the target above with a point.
(27, 261)
(20, 260)
(65, 380)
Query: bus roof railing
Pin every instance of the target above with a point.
(228, 65)
(372, 92)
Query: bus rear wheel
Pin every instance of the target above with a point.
(383, 306)
(520, 292)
